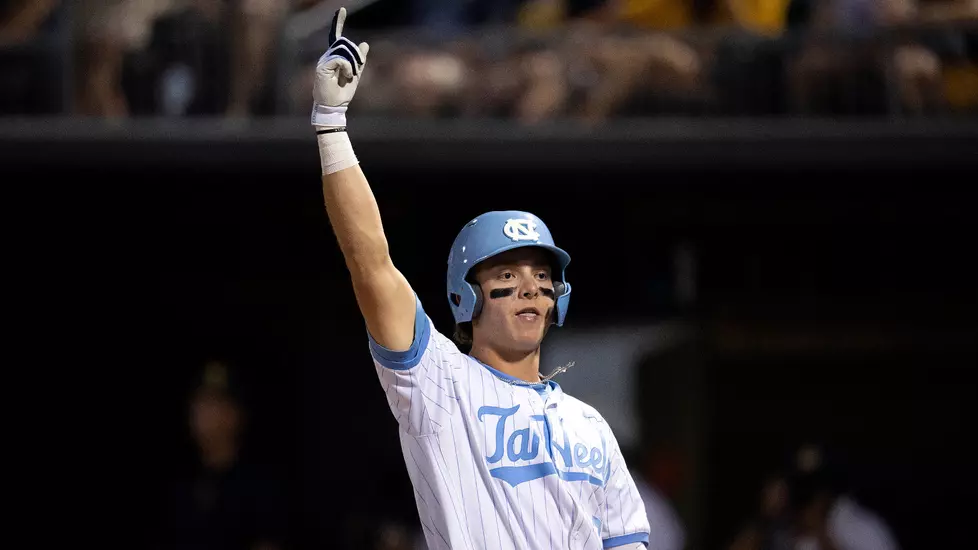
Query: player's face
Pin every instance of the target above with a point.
(517, 299)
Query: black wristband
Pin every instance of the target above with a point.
(331, 130)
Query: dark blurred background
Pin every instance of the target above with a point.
(767, 204)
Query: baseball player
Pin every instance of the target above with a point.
(499, 456)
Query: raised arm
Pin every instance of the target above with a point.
(386, 300)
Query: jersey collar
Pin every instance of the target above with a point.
(541, 387)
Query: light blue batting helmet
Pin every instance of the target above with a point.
(494, 233)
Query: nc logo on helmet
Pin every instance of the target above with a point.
(521, 229)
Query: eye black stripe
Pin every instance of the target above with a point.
(501, 292)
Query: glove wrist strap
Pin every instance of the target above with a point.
(323, 115)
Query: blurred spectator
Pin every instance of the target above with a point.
(524, 79)
(811, 508)
(226, 501)
(21, 20)
(110, 30)
(429, 80)
(659, 483)
(728, 65)
(603, 72)
(851, 73)
(255, 26)
(959, 57)
(542, 91)
(31, 57)
(644, 74)
(770, 528)
(107, 31)
(915, 61)
(672, 66)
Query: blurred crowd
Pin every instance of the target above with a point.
(529, 60)
(600, 59)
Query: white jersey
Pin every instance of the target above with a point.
(499, 463)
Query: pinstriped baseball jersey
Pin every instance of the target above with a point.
(499, 463)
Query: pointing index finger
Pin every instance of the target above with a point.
(336, 30)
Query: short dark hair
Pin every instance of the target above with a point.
(463, 335)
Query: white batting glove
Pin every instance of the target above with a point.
(337, 75)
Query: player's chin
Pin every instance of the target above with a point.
(528, 339)
(525, 345)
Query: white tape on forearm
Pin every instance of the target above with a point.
(336, 152)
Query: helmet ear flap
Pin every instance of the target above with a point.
(559, 288)
(563, 300)
(477, 308)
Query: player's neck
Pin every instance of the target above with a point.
(522, 365)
